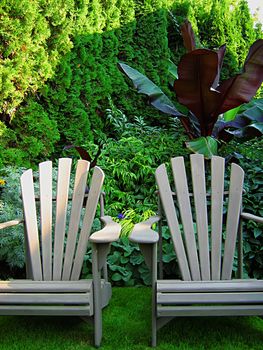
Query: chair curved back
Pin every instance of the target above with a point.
(57, 255)
(199, 254)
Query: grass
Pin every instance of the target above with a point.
(127, 326)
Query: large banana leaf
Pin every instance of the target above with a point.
(203, 145)
(197, 72)
(242, 87)
(247, 123)
(145, 86)
(188, 36)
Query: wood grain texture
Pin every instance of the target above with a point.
(233, 215)
(77, 203)
(28, 197)
(217, 186)
(45, 187)
(184, 204)
(200, 203)
(169, 209)
(64, 168)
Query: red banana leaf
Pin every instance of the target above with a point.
(188, 36)
(242, 87)
(197, 72)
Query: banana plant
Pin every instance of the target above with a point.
(198, 88)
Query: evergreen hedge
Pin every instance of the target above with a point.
(58, 63)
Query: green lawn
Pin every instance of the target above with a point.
(127, 326)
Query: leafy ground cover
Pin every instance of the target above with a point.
(127, 326)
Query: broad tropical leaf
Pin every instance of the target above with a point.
(247, 122)
(203, 145)
(220, 55)
(188, 36)
(145, 86)
(197, 72)
(242, 87)
(173, 74)
(231, 114)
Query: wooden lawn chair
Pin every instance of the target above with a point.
(54, 260)
(205, 259)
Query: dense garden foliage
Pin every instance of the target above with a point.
(60, 85)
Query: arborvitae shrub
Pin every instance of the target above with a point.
(61, 57)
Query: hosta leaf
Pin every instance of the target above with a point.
(116, 277)
(203, 145)
(145, 86)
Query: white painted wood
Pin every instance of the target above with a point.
(28, 197)
(233, 215)
(64, 167)
(110, 233)
(184, 204)
(217, 186)
(90, 211)
(48, 310)
(173, 286)
(77, 204)
(45, 298)
(248, 216)
(142, 232)
(212, 310)
(29, 286)
(199, 190)
(215, 298)
(169, 209)
(45, 188)
(10, 223)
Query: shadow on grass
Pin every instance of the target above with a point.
(127, 325)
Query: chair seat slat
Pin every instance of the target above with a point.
(209, 297)
(173, 286)
(45, 298)
(211, 310)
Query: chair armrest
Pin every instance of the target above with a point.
(142, 232)
(110, 233)
(10, 223)
(248, 216)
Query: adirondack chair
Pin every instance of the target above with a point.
(206, 287)
(53, 285)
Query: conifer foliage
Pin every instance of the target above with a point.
(58, 62)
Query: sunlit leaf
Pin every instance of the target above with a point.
(145, 86)
(203, 145)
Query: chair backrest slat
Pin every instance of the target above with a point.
(184, 204)
(28, 197)
(217, 199)
(199, 191)
(169, 209)
(234, 209)
(64, 168)
(45, 187)
(90, 211)
(77, 204)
